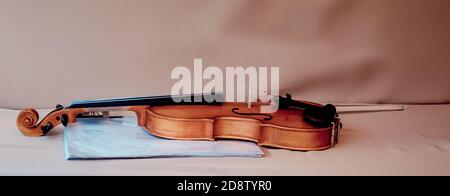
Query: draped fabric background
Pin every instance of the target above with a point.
(387, 51)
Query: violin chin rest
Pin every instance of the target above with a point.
(321, 116)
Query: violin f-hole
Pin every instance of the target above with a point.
(267, 116)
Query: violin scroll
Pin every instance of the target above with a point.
(28, 120)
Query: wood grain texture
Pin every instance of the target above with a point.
(286, 130)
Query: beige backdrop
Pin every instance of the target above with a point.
(54, 51)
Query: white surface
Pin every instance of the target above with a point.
(412, 142)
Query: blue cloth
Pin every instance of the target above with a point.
(123, 138)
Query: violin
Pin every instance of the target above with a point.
(296, 125)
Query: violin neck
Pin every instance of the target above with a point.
(193, 99)
(151, 100)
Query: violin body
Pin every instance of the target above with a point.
(287, 128)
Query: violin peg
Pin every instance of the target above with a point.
(64, 119)
(47, 127)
